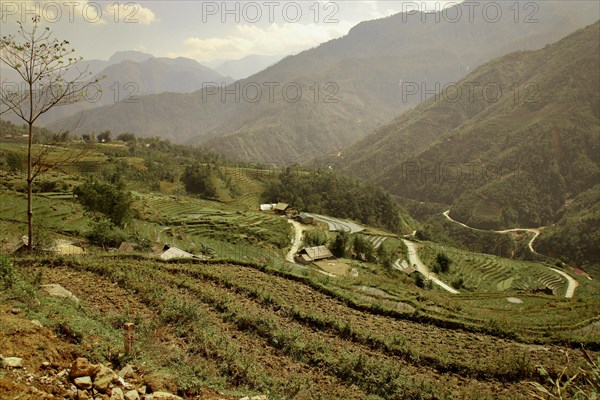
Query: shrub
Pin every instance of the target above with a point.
(314, 237)
(103, 234)
(106, 199)
(7, 272)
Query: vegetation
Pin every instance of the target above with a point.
(198, 179)
(340, 244)
(43, 64)
(584, 385)
(108, 200)
(575, 237)
(242, 318)
(499, 164)
(314, 237)
(442, 264)
(336, 195)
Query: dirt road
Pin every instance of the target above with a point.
(413, 259)
(571, 283)
(296, 242)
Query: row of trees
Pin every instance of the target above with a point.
(336, 195)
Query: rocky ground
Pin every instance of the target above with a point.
(37, 364)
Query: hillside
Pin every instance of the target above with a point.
(125, 77)
(510, 162)
(575, 238)
(349, 85)
(245, 67)
(239, 318)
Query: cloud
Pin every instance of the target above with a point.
(92, 12)
(129, 12)
(276, 39)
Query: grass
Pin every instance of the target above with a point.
(487, 273)
(247, 327)
(247, 321)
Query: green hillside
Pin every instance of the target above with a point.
(498, 164)
(237, 316)
(575, 237)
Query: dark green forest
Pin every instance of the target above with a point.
(336, 195)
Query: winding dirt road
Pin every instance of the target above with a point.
(535, 231)
(296, 242)
(571, 282)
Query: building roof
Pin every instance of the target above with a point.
(317, 253)
(281, 206)
(126, 247)
(267, 207)
(409, 270)
(174, 252)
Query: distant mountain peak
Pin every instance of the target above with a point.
(129, 55)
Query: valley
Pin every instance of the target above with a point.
(419, 220)
(246, 317)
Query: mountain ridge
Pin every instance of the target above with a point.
(513, 162)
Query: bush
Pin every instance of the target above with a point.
(314, 237)
(106, 199)
(419, 281)
(15, 162)
(7, 272)
(338, 248)
(198, 179)
(103, 234)
(442, 262)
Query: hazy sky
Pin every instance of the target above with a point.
(202, 30)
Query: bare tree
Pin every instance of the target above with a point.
(46, 66)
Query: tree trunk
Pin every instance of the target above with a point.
(29, 193)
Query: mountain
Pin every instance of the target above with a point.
(575, 237)
(130, 55)
(498, 160)
(158, 75)
(247, 66)
(127, 75)
(325, 98)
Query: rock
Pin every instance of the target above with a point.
(132, 395)
(83, 382)
(126, 372)
(62, 374)
(15, 310)
(13, 362)
(83, 395)
(262, 397)
(37, 323)
(56, 290)
(163, 396)
(117, 394)
(104, 378)
(82, 367)
(46, 364)
(142, 390)
(160, 383)
(124, 385)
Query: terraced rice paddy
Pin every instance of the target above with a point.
(190, 223)
(337, 224)
(486, 273)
